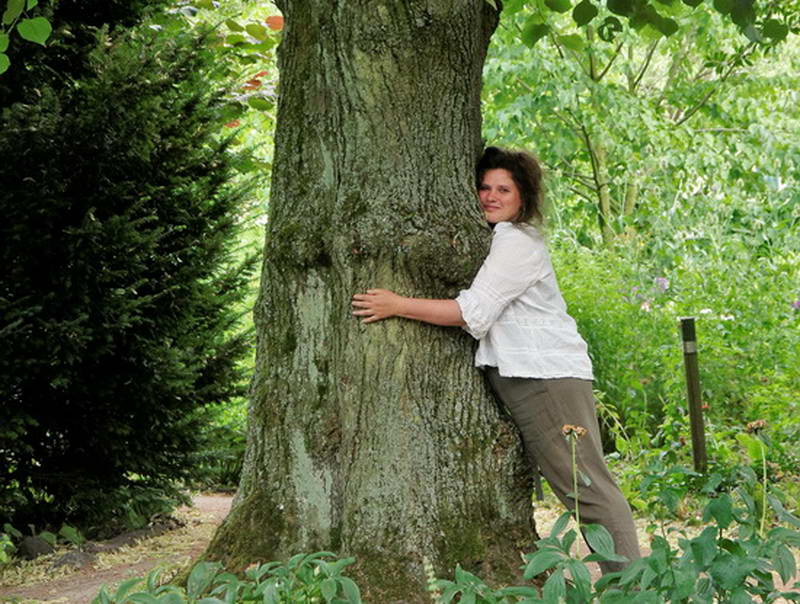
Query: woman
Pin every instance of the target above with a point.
(529, 348)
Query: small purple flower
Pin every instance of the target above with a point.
(662, 284)
(796, 304)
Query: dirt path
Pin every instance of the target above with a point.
(168, 550)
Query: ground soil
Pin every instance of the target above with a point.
(166, 551)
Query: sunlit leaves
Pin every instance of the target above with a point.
(36, 30)
(584, 12)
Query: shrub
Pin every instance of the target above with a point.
(119, 281)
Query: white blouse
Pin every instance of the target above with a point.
(516, 311)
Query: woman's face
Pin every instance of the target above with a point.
(499, 196)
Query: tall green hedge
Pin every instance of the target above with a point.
(118, 281)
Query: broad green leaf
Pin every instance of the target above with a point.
(31, 4)
(200, 578)
(533, 32)
(555, 588)
(48, 536)
(560, 524)
(599, 539)
(260, 103)
(125, 587)
(257, 31)
(559, 6)
(755, 448)
(666, 25)
(704, 548)
(783, 561)
(144, 598)
(723, 6)
(742, 12)
(584, 12)
(573, 42)
(36, 30)
(71, 534)
(720, 509)
(350, 589)
(13, 10)
(328, 588)
(620, 7)
(541, 561)
(772, 29)
(233, 25)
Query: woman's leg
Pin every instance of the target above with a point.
(540, 409)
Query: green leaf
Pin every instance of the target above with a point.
(559, 6)
(560, 524)
(555, 588)
(608, 30)
(350, 589)
(720, 509)
(783, 561)
(755, 448)
(48, 536)
(572, 41)
(233, 25)
(693, 3)
(125, 587)
(328, 588)
(260, 103)
(31, 4)
(3, 42)
(144, 598)
(723, 6)
(704, 548)
(13, 10)
(36, 30)
(541, 561)
(620, 7)
(599, 539)
(200, 578)
(772, 29)
(666, 25)
(533, 32)
(71, 534)
(257, 31)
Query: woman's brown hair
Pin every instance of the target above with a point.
(527, 175)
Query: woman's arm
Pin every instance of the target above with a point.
(379, 304)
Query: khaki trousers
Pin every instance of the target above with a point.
(540, 408)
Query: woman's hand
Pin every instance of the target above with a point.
(377, 304)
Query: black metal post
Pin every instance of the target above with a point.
(693, 388)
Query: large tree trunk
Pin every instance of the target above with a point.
(377, 441)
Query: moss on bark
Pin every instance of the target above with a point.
(377, 441)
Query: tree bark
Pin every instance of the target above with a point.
(378, 441)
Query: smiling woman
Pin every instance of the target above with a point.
(529, 347)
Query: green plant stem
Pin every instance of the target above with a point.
(763, 489)
(573, 444)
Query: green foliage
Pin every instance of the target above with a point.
(303, 579)
(766, 24)
(118, 300)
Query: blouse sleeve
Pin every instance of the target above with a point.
(514, 263)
